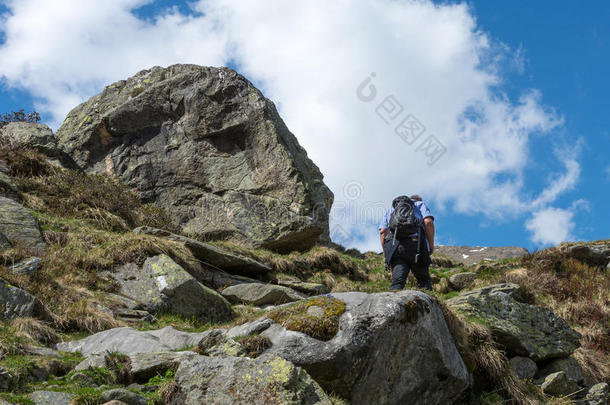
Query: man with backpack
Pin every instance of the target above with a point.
(407, 238)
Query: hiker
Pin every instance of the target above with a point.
(407, 239)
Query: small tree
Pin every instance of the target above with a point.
(19, 116)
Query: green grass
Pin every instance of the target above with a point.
(478, 320)
(27, 368)
(16, 399)
(450, 294)
(159, 381)
(10, 341)
(374, 286)
(442, 272)
(178, 322)
(490, 271)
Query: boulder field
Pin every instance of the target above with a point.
(390, 348)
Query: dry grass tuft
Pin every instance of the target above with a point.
(574, 290)
(23, 162)
(87, 315)
(483, 358)
(13, 255)
(11, 343)
(171, 393)
(101, 200)
(304, 264)
(70, 273)
(254, 345)
(35, 330)
(595, 365)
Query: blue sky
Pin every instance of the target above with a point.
(566, 47)
(552, 54)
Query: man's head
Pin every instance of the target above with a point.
(415, 197)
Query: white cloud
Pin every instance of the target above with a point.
(560, 184)
(309, 57)
(65, 51)
(551, 226)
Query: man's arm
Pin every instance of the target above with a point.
(429, 224)
(382, 233)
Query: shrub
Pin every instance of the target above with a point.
(35, 330)
(23, 162)
(101, 200)
(156, 217)
(19, 116)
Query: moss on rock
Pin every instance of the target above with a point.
(296, 318)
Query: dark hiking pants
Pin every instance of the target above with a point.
(403, 261)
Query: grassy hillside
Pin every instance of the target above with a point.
(87, 222)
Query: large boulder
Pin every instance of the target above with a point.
(128, 340)
(19, 226)
(38, 137)
(523, 329)
(205, 144)
(244, 381)
(593, 253)
(161, 285)
(17, 303)
(391, 348)
(29, 134)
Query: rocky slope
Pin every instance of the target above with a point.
(206, 145)
(470, 255)
(106, 301)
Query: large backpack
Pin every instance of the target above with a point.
(403, 222)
